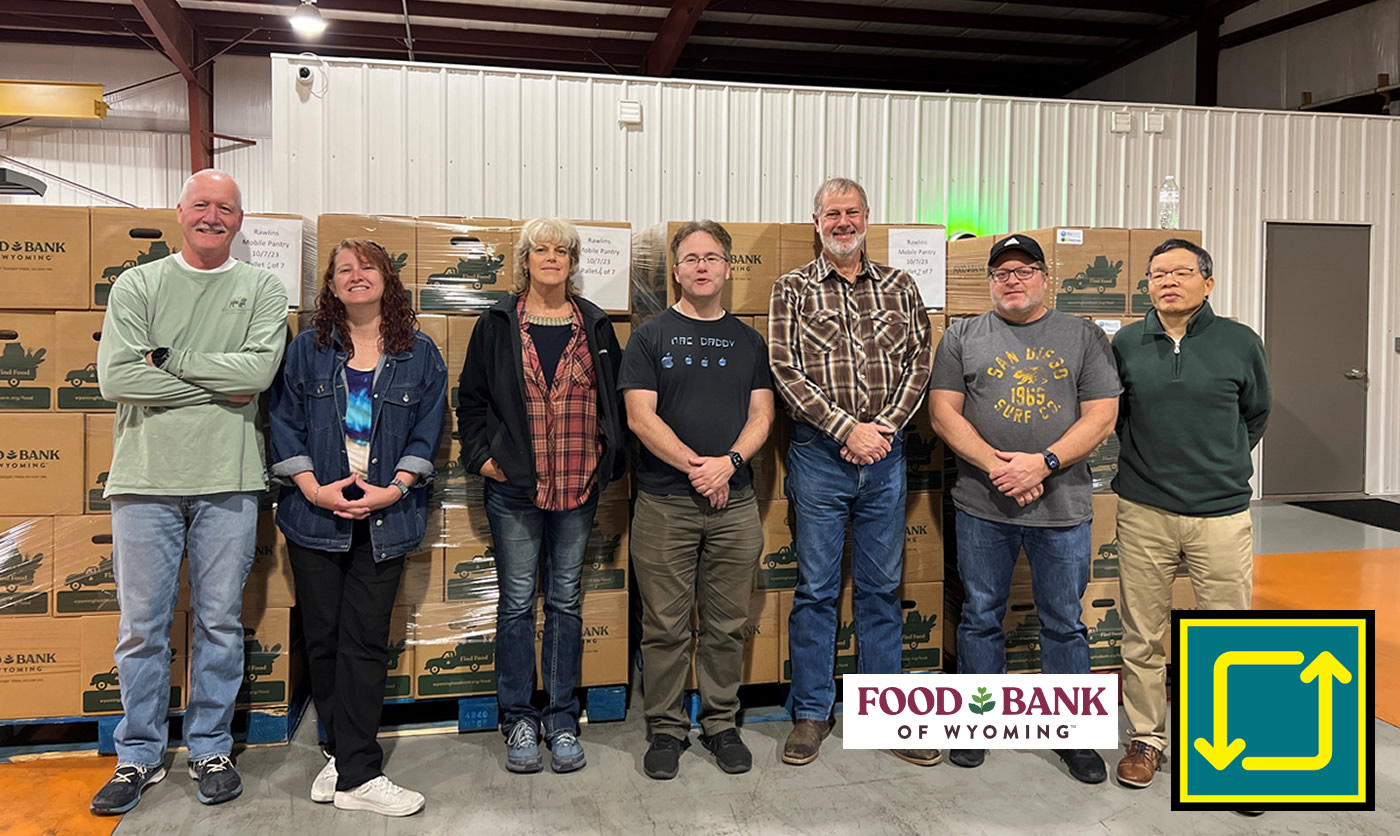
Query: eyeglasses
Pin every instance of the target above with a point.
(1004, 276)
(710, 260)
(1181, 274)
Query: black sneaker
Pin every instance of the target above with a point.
(967, 758)
(218, 780)
(124, 790)
(729, 750)
(1084, 764)
(663, 758)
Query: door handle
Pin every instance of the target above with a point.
(1355, 374)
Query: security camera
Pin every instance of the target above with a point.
(304, 76)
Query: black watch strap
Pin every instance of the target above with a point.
(1052, 461)
(736, 459)
(159, 356)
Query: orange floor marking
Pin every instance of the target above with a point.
(51, 795)
(1350, 580)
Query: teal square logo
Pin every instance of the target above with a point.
(1272, 710)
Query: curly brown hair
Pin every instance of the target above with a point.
(398, 324)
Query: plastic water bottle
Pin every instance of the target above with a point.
(1169, 204)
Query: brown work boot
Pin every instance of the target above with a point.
(919, 757)
(805, 741)
(1137, 768)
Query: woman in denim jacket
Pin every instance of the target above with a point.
(540, 416)
(356, 420)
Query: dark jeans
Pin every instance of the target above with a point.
(346, 600)
(1059, 558)
(522, 533)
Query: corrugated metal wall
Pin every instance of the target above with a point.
(387, 137)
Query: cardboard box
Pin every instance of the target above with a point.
(26, 566)
(968, 289)
(459, 336)
(605, 558)
(622, 328)
(397, 234)
(604, 660)
(923, 538)
(1088, 268)
(82, 568)
(938, 325)
(45, 257)
(43, 462)
(453, 487)
(777, 568)
(43, 663)
(925, 455)
(454, 649)
(798, 244)
(399, 685)
(124, 238)
(98, 685)
(1141, 243)
(75, 361)
(28, 345)
(753, 264)
(269, 646)
(1101, 614)
(470, 572)
(270, 582)
(461, 525)
(605, 269)
(422, 581)
(1103, 464)
(464, 264)
(922, 605)
(434, 326)
(98, 431)
(769, 464)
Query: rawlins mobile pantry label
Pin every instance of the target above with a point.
(968, 711)
(923, 254)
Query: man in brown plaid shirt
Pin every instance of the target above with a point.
(849, 345)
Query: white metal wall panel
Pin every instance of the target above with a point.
(388, 137)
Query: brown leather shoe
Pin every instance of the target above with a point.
(919, 757)
(805, 741)
(1138, 767)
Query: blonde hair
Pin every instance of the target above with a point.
(546, 231)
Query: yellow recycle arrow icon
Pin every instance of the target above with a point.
(1222, 751)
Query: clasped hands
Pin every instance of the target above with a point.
(331, 497)
(1021, 476)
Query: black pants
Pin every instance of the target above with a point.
(346, 600)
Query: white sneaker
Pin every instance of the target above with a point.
(381, 796)
(323, 788)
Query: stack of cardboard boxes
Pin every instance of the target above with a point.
(58, 604)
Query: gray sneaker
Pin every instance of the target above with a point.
(218, 780)
(566, 753)
(523, 748)
(123, 791)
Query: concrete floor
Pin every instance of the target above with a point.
(856, 791)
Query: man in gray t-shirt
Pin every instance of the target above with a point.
(1022, 395)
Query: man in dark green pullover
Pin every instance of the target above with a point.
(1195, 402)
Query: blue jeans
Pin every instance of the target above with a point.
(828, 494)
(522, 533)
(149, 535)
(1059, 558)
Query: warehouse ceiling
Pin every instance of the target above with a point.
(1030, 48)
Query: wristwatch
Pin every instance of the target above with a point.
(159, 356)
(398, 483)
(736, 459)
(1052, 461)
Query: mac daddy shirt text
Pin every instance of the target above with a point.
(702, 373)
(1023, 385)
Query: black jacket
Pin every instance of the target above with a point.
(491, 418)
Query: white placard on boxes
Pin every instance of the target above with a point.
(606, 271)
(923, 254)
(274, 244)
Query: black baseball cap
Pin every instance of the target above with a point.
(1016, 243)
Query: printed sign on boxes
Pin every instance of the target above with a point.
(268, 645)
(277, 243)
(1090, 270)
(84, 581)
(125, 238)
(777, 567)
(28, 345)
(77, 334)
(26, 565)
(921, 250)
(605, 264)
(41, 463)
(454, 649)
(399, 684)
(45, 257)
(753, 266)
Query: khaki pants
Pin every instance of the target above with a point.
(1152, 543)
(674, 539)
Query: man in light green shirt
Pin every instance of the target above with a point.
(188, 342)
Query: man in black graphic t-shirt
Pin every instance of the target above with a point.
(700, 398)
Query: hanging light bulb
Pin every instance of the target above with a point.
(307, 20)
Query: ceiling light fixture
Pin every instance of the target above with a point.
(307, 20)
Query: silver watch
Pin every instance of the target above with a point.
(398, 483)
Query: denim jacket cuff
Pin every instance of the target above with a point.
(420, 467)
(293, 466)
